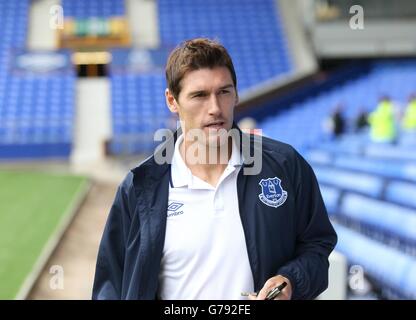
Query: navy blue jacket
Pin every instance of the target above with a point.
(293, 240)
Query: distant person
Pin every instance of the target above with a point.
(335, 123)
(339, 121)
(409, 118)
(382, 122)
(361, 122)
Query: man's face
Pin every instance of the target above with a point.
(206, 102)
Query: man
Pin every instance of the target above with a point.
(199, 227)
(409, 118)
(382, 122)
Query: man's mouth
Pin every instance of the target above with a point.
(215, 125)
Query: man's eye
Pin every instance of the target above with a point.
(198, 95)
(224, 91)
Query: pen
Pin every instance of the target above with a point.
(272, 294)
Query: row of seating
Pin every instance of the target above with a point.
(376, 186)
(388, 266)
(389, 220)
(370, 202)
(359, 182)
(404, 170)
(93, 8)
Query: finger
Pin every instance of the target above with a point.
(264, 291)
(282, 295)
(252, 297)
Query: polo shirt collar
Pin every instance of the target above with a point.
(180, 173)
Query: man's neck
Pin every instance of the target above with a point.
(210, 165)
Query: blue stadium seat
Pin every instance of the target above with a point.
(318, 157)
(402, 192)
(363, 183)
(385, 168)
(390, 267)
(391, 152)
(392, 220)
(331, 198)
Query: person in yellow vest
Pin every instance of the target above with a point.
(382, 122)
(409, 119)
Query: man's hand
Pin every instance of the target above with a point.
(270, 284)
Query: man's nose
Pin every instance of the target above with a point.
(214, 105)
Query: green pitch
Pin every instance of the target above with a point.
(32, 205)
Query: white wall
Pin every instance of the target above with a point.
(40, 34)
(92, 120)
(144, 24)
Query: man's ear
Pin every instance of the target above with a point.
(171, 101)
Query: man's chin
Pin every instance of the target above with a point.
(216, 139)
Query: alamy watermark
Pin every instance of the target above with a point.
(356, 279)
(56, 21)
(357, 20)
(56, 282)
(211, 147)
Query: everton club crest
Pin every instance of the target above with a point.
(272, 193)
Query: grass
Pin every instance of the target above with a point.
(31, 207)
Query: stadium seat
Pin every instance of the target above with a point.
(389, 266)
(331, 198)
(389, 169)
(318, 157)
(358, 182)
(402, 192)
(392, 221)
(391, 152)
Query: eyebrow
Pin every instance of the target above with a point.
(227, 86)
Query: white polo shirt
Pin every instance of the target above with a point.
(205, 254)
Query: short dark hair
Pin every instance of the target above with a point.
(196, 54)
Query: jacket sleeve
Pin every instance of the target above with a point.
(110, 260)
(315, 236)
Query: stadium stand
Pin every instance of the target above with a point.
(368, 188)
(93, 8)
(255, 39)
(36, 109)
(394, 78)
(251, 30)
(372, 194)
(138, 110)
